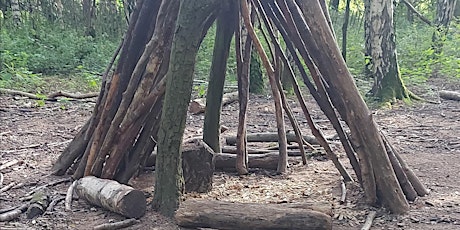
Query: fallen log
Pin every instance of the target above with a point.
(270, 137)
(13, 214)
(226, 215)
(50, 97)
(292, 153)
(198, 106)
(449, 95)
(227, 161)
(112, 195)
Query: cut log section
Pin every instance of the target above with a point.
(270, 137)
(225, 215)
(112, 195)
(198, 106)
(449, 95)
(198, 167)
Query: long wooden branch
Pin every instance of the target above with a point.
(315, 130)
(49, 97)
(419, 15)
(282, 166)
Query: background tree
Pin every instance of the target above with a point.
(380, 37)
(444, 14)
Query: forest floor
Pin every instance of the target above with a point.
(427, 136)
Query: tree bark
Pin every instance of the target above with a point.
(225, 215)
(193, 21)
(388, 85)
(351, 106)
(444, 15)
(225, 27)
(113, 196)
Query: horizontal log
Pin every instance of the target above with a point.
(198, 106)
(226, 215)
(270, 137)
(231, 149)
(227, 161)
(449, 95)
(112, 195)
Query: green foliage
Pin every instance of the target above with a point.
(414, 47)
(26, 53)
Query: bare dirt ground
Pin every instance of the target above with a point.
(427, 136)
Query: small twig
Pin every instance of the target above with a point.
(9, 164)
(54, 203)
(117, 225)
(369, 220)
(48, 185)
(68, 197)
(11, 215)
(6, 188)
(343, 198)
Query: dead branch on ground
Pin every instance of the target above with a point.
(68, 197)
(369, 220)
(53, 183)
(117, 225)
(49, 97)
(13, 214)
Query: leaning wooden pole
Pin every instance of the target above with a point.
(347, 100)
(282, 165)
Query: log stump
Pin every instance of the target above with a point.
(198, 167)
(226, 215)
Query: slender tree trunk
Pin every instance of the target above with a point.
(444, 14)
(388, 85)
(351, 106)
(16, 12)
(89, 14)
(194, 20)
(225, 28)
(345, 30)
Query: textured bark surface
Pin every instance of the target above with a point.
(388, 85)
(225, 27)
(192, 23)
(225, 215)
(198, 167)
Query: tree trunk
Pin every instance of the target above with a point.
(444, 14)
(89, 14)
(256, 81)
(16, 12)
(388, 85)
(225, 27)
(194, 19)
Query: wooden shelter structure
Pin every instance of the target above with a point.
(143, 101)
